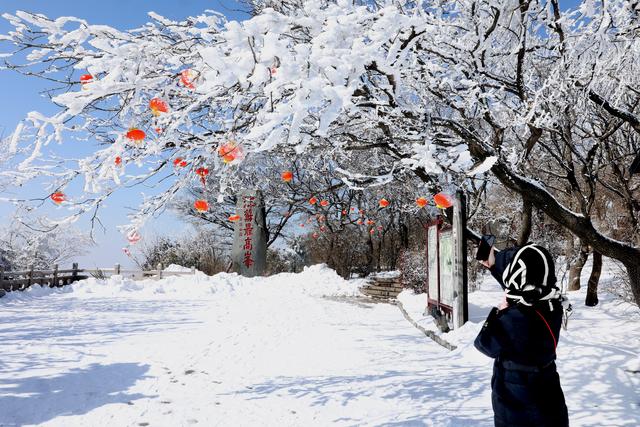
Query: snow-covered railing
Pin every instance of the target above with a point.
(21, 280)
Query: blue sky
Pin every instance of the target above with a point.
(20, 96)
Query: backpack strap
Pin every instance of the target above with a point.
(555, 342)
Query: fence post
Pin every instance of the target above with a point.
(116, 269)
(54, 282)
(74, 273)
(30, 276)
(159, 271)
(193, 270)
(1, 280)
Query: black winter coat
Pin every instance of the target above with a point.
(525, 385)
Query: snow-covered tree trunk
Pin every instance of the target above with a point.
(525, 226)
(576, 266)
(592, 286)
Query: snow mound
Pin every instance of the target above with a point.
(175, 268)
(315, 281)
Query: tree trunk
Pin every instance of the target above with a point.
(576, 269)
(592, 287)
(569, 247)
(525, 228)
(633, 269)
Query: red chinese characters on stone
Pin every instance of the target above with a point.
(248, 203)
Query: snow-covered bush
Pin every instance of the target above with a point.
(413, 269)
(205, 251)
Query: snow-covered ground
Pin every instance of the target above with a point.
(293, 349)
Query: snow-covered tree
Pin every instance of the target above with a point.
(441, 90)
(24, 247)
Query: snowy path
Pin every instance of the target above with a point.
(229, 351)
(265, 356)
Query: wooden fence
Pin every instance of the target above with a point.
(21, 280)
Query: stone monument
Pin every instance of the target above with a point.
(249, 252)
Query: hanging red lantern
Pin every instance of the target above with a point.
(201, 205)
(85, 79)
(287, 176)
(421, 202)
(133, 237)
(344, 211)
(323, 228)
(230, 152)
(313, 201)
(273, 71)
(58, 198)
(352, 209)
(179, 163)
(383, 203)
(379, 228)
(443, 200)
(136, 135)
(324, 203)
(359, 222)
(187, 77)
(118, 161)
(158, 106)
(372, 231)
(302, 225)
(315, 235)
(203, 172)
(158, 130)
(234, 218)
(370, 222)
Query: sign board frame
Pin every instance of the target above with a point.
(447, 285)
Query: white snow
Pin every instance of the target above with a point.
(287, 350)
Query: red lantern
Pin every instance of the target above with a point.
(359, 222)
(370, 222)
(421, 202)
(201, 205)
(158, 130)
(302, 225)
(136, 135)
(118, 161)
(443, 200)
(133, 237)
(383, 203)
(178, 162)
(313, 201)
(85, 79)
(58, 198)
(315, 235)
(273, 71)
(372, 231)
(324, 203)
(344, 211)
(352, 209)
(323, 228)
(158, 106)
(230, 152)
(203, 172)
(234, 218)
(287, 176)
(187, 77)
